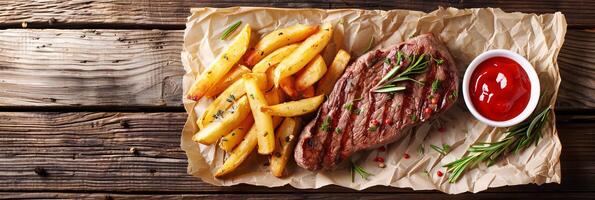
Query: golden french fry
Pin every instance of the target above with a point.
(327, 82)
(242, 151)
(229, 141)
(221, 65)
(273, 97)
(287, 84)
(263, 121)
(277, 39)
(307, 50)
(308, 92)
(231, 77)
(274, 58)
(294, 108)
(286, 138)
(229, 120)
(226, 98)
(310, 74)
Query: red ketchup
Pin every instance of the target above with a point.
(499, 89)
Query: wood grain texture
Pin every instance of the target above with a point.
(90, 67)
(577, 69)
(92, 152)
(323, 196)
(143, 68)
(173, 13)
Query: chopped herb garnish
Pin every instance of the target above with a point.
(413, 117)
(444, 150)
(435, 85)
(230, 98)
(252, 96)
(387, 84)
(218, 115)
(348, 107)
(373, 128)
(338, 130)
(326, 124)
(230, 30)
(517, 138)
(265, 134)
(359, 170)
(439, 61)
(357, 111)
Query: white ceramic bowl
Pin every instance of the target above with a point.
(527, 67)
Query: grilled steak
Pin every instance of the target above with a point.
(356, 116)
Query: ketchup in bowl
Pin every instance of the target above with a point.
(499, 88)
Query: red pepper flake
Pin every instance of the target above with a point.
(441, 129)
(374, 122)
(427, 110)
(388, 122)
(379, 159)
(440, 174)
(382, 148)
(406, 156)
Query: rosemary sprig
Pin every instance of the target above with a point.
(517, 138)
(230, 30)
(388, 83)
(359, 170)
(442, 150)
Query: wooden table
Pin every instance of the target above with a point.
(90, 101)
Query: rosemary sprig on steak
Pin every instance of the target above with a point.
(517, 138)
(388, 83)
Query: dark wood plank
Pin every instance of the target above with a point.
(367, 196)
(90, 67)
(173, 14)
(74, 68)
(91, 152)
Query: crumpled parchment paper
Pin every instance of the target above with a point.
(466, 32)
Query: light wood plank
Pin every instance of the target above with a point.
(168, 12)
(91, 152)
(143, 68)
(90, 67)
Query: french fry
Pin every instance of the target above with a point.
(327, 82)
(221, 65)
(308, 92)
(294, 108)
(232, 76)
(233, 118)
(277, 39)
(274, 58)
(288, 86)
(307, 50)
(286, 137)
(263, 121)
(229, 141)
(242, 151)
(226, 98)
(310, 73)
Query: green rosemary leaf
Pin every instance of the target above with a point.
(435, 85)
(390, 89)
(359, 170)
(230, 30)
(390, 74)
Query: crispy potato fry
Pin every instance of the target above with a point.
(229, 141)
(229, 120)
(274, 58)
(221, 65)
(326, 84)
(226, 98)
(277, 39)
(294, 108)
(232, 76)
(274, 97)
(308, 92)
(288, 86)
(310, 74)
(242, 151)
(311, 47)
(286, 138)
(263, 121)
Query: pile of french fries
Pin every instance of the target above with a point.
(260, 88)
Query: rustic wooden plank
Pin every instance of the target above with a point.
(579, 13)
(90, 67)
(91, 152)
(361, 195)
(143, 68)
